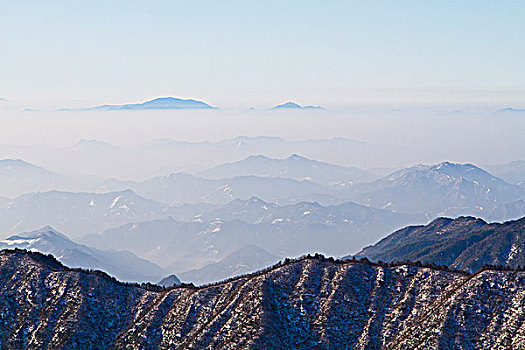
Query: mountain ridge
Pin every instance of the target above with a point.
(294, 166)
(311, 302)
(443, 189)
(466, 243)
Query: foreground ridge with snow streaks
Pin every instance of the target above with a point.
(301, 304)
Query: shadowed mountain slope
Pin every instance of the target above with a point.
(466, 243)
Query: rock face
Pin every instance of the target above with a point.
(465, 243)
(309, 303)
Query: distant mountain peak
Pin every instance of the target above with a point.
(87, 143)
(442, 167)
(448, 164)
(295, 156)
(126, 192)
(294, 167)
(174, 103)
(443, 189)
(293, 105)
(288, 105)
(17, 161)
(46, 231)
(460, 169)
(169, 281)
(258, 157)
(246, 259)
(46, 228)
(160, 103)
(443, 164)
(11, 163)
(510, 109)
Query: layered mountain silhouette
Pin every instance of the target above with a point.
(19, 177)
(186, 188)
(215, 232)
(295, 167)
(76, 213)
(85, 145)
(164, 156)
(512, 172)
(247, 259)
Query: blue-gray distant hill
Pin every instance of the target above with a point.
(512, 110)
(247, 259)
(513, 172)
(294, 167)
(293, 105)
(158, 103)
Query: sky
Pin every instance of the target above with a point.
(259, 53)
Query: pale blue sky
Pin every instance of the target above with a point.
(254, 52)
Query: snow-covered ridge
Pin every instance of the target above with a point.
(297, 304)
